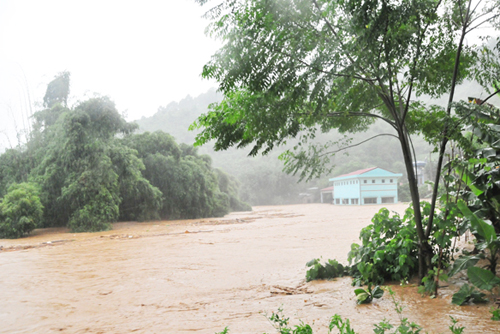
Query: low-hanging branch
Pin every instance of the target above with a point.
(334, 114)
(357, 144)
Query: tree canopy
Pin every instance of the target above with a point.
(87, 169)
(291, 68)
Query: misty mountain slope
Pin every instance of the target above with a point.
(176, 117)
(262, 180)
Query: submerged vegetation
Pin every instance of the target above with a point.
(281, 323)
(86, 169)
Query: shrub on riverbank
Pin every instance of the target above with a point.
(20, 210)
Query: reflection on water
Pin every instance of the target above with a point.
(203, 275)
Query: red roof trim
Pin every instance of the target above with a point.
(327, 189)
(358, 172)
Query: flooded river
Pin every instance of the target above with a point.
(198, 276)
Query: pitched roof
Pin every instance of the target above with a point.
(358, 172)
(327, 189)
(368, 172)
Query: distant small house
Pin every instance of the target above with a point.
(366, 186)
(327, 195)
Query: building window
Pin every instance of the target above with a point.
(354, 201)
(337, 201)
(365, 181)
(370, 200)
(373, 181)
(390, 181)
(345, 200)
(383, 181)
(387, 199)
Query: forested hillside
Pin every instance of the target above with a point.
(262, 179)
(84, 168)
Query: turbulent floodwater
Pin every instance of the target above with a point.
(202, 275)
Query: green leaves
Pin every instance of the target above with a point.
(482, 278)
(388, 250)
(366, 296)
(466, 294)
(462, 263)
(484, 229)
(344, 326)
(329, 270)
(289, 66)
(362, 296)
(495, 314)
(20, 211)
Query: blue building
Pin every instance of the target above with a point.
(366, 186)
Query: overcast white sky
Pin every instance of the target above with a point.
(143, 54)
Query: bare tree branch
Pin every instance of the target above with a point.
(354, 145)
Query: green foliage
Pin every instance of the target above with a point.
(329, 270)
(430, 282)
(466, 294)
(92, 171)
(294, 68)
(366, 296)
(309, 73)
(486, 235)
(14, 168)
(343, 326)
(80, 185)
(404, 327)
(281, 323)
(454, 328)
(190, 187)
(495, 314)
(261, 178)
(463, 262)
(57, 90)
(225, 331)
(388, 249)
(477, 174)
(485, 230)
(20, 210)
(483, 279)
(229, 185)
(479, 277)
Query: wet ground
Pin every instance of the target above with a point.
(198, 276)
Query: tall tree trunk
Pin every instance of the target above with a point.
(424, 249)
(444, 141)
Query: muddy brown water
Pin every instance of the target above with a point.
(202, 275)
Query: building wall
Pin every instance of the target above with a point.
(377, 188)
(347, 190)
(380, 188)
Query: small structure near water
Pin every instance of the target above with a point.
(327, 194)
(366, 186)
(419, 167)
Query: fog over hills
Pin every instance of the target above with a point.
(262, 177)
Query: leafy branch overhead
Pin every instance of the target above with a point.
(289, 67)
